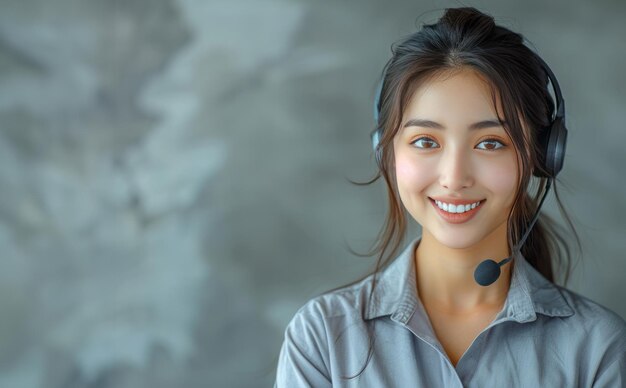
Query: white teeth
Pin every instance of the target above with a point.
(456, 208)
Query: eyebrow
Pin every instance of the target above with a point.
(431, 124)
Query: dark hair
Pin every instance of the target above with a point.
(465, 38)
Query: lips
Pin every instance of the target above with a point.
(457, 218)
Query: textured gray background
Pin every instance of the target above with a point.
(173, 174)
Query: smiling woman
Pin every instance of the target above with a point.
(465, 124)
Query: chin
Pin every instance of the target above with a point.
(461, 240)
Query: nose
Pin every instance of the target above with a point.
(456, 171)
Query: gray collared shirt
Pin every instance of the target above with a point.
(544, 336)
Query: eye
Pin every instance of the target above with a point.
(491, 145)
(425, 143)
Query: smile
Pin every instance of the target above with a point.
(456, 214)
(451, 208)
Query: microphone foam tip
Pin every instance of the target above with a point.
(487, 272)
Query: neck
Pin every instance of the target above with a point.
(445, 276)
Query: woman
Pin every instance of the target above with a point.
(465, 132)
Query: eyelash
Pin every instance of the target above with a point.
(482, 141)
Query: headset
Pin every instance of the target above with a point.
(552, 141)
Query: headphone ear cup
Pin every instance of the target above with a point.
(375, 139)
(378, 131)
(553, 144)
(375, 145)
(556, 146)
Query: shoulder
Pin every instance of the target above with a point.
(346, 303)
(323, 318)
(601, 332)
(309, 347)
(592, 317)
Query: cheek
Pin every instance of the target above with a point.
(413, 175)
(501, 178)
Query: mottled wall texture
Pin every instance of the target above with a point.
(174, 174)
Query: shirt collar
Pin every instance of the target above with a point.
(529, 293)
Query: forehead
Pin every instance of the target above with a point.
(460, 91)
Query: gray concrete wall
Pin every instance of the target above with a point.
(173, 174)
